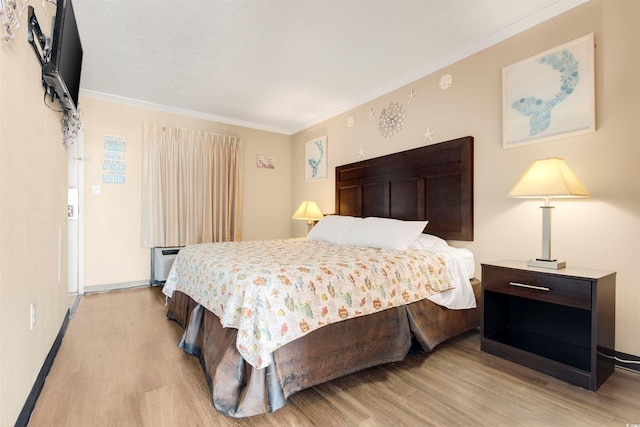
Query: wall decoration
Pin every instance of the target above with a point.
(350, 121)
(315, 159)
(11, 12)
(372, 113)
(361, 151)
(391, 120)
(428, 134)
(445, 81)
(71, 128)
(114, 166)
(266, 162)
(550, 95)
(411, 96)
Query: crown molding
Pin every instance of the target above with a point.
(181, 112)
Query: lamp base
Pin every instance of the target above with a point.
(547, 263)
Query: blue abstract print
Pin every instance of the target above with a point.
(314, 163)
(539, 110)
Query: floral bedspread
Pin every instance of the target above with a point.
(278, 290)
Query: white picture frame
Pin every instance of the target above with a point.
(550, 95)
(315, 159)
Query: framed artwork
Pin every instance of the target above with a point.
(550, 95)
(315, 159)
(266, 162)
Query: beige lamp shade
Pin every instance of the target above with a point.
(308, 211)
(549, 178)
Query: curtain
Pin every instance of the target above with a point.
(191, 190)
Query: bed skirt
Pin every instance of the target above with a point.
(240, 390)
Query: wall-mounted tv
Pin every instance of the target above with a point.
(62, 68)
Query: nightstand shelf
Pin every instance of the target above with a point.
(560, 322)
(568, 354)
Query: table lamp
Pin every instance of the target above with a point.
(310, 212)
(547, 179)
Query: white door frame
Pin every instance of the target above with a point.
(75, 231)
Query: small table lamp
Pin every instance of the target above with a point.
(546, 179)
(310, 212)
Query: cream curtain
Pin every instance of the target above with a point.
(191, 190)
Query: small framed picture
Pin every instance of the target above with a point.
(315, 159)
(266, 162)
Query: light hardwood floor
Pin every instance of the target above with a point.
(119, 365)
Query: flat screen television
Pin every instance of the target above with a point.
(61, 70)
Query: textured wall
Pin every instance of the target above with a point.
(33, 220)
(602, 232)
(112, 219)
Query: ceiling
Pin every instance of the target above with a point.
(282, 66)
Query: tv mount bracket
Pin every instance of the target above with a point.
(35, 32)
(42, 48)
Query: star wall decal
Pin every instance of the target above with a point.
(361, 152)
(412, 96)
(428, 135)
(372, 113)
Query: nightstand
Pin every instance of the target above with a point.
(559, 322)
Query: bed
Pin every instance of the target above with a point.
(305, 311)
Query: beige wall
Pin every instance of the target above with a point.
(112, 251)
(601, 232)
(33, 214)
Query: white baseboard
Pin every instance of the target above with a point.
(116, 286)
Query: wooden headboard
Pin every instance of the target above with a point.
(433, 183)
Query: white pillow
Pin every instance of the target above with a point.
(333, 229)
(385, 233)
(426, 241)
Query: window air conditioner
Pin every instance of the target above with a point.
(162, 261)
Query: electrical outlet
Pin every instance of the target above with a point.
(32, 321)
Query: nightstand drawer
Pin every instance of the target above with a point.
(539, 286)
